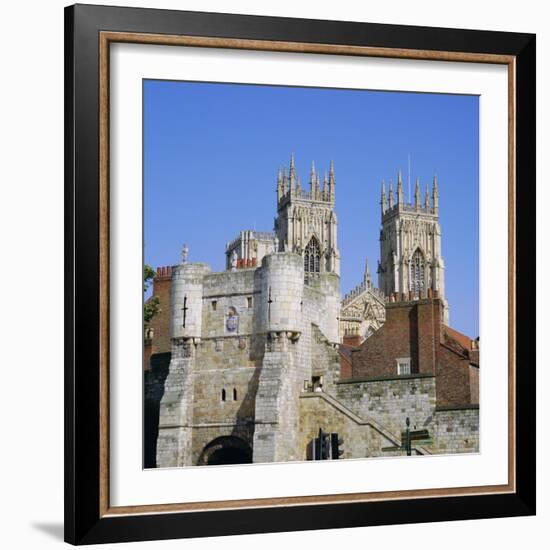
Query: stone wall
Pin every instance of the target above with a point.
(322, 305)
(391, 400)
(325, 360)
(226, 290)
(277, 409)
(176, 408)
(456, 430)
(359, 438)
(153, 386)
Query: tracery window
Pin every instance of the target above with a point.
(418, 273)
(312, 258)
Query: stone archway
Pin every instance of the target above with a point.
(225, 450)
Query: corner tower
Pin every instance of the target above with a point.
(306, 223)
(411, 265)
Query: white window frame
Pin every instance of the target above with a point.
(403, 361)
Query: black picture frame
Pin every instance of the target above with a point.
(84, 523)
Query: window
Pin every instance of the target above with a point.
(234, 394)
(312, 258)
(214, 305)
(249, 302)
(403, 366)
(417, 273)
(223, 395)
(317, 383)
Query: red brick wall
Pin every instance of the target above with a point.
(415, 330)
(474, 384)
(376, 356)
(147, 355)
(452, 382)
(351, 340)
(345, 363)
(160, 323)
(410, 330)
(429, 330)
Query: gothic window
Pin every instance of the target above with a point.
(312, 258)
(418, 273)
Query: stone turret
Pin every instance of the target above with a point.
(282, 289)
(174, 444)
(280, 184)
(435, 197)
(331, 183)
(399, 190)
(186, 306)
(282, 374)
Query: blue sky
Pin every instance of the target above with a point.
(211, 154)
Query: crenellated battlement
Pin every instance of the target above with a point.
(407, 208)
(289, 186)
(424, 294)
(395, 204)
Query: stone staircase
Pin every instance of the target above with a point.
(394, 439)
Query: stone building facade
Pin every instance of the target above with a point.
(248, 249)
(246, 365)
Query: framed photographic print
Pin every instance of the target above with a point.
(299, 270)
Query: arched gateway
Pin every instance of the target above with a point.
(225, 450)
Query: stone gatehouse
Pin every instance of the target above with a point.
(247, 364)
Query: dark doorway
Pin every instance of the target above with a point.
(226, 450)
(229, 455)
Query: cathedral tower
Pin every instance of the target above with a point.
(411, 265)
(306, 222)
